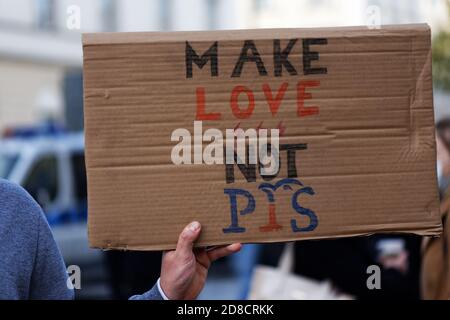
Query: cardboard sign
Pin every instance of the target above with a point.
(352, 108)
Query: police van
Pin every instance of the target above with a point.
(49, 164)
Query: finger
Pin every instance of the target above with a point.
(202, 258)
(220, 252)
(167, 253)
(187, 238)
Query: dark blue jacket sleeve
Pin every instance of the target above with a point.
(152, 294)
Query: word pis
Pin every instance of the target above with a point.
(260, 149)
(287, 184)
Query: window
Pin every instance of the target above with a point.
(79, 176)
(212, 6)
(109, 15)
(7, 163)
(42, 182)
(165, 7)
(45, 14)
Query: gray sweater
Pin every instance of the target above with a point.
(31, 266)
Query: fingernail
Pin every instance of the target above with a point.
(194, 226)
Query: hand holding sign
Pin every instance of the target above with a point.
(184, 270)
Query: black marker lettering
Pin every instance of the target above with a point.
(209, 55)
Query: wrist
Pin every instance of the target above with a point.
(161, 291)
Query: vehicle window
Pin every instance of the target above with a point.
(42, 182)
(7, 163)
(79, 176)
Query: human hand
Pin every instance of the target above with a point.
(184, 270)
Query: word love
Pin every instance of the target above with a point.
(274, 100)
(285, 185)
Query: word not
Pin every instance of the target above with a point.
(287, 184)
(248, 170)
(273, 101)
(259, 149)
(250, 54)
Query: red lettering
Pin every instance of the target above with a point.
(238, 113)
(273, 224)
(302, 95)
(201, 115)
(274, 104)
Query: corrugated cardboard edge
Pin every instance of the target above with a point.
(116, 246)
(255, 34)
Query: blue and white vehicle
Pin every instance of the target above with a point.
(49, 164)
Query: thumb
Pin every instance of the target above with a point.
(187, 238)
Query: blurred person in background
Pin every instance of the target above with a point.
(344, 262)
(32, 266)
(406, 271)
(443, 154)
(436, 257)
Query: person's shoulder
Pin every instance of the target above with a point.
(16, 200)
(12, 192)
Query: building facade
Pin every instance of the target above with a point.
(40, 42)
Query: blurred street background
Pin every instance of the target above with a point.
(41, 130)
